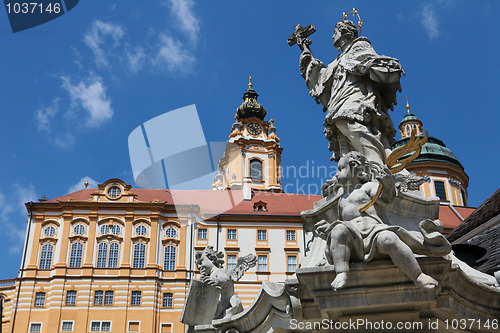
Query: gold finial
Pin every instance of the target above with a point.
(407, 105)
(272, 121)
(354, 13)
(86, 184)
(250, 82)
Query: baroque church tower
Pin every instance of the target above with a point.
(447, 177)
(253, 154)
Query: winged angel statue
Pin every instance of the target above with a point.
(210, 264)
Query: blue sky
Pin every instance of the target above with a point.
(73, 89)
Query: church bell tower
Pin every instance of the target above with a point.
(253, 155)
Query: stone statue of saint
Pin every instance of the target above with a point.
(363, 236)
(356, 91)
(210, 263)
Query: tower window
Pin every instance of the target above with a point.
(464, 197)
(440, 191)
(256, 169)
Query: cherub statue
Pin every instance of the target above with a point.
(363, 236)
(210, 263)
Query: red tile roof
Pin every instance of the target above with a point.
(232, 203)
(216, 202)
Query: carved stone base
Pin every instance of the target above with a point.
(377, 293)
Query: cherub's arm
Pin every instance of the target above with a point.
(388, 187)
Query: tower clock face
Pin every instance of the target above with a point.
(254, 128)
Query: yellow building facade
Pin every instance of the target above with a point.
(120, 259)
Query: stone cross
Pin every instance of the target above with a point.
(300, 35)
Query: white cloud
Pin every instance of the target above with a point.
(81, 184)
(97, 39)
(430, 21)
(189, 23)
(136, 59)
(90, 94)
(13, 216)
(172, 55)
(45, 115)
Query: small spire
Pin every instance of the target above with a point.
(86, 183)
(250, 82)
(407, 105)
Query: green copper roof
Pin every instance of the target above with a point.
(409, 116)
(434, 150)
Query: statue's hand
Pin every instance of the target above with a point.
(209, 281)
(322, 228)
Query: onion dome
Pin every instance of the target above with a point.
(250, 107)
(434, 150)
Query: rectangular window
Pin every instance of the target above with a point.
(231, 234)
(35, 327)
(75, 256)
(71, 297)
(108, 297)
(100, 326)
(440, 191)
(67, 326)
(40, 299)
(202, 233)
(136, 298)
(139, 255)
(262, 263)
(170, 258)
(292, 263)
(231, 261)
(134, 326)
(168, 300)
(262, 235)
(98, 296)
(166, 328)
(290, 235)
(46, 256)
(113, 255)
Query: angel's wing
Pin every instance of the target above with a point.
(243, 265)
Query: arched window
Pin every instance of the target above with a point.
(102, 255)
(256, 169)
(46, 256)
(75, 256)
(169, 262)
(113, 255)
(50, 231)
(141, 230)
(170, 232)
(139, 255)
(79, 229)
